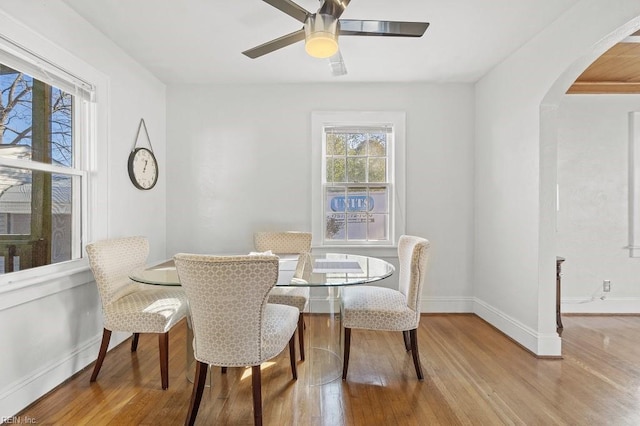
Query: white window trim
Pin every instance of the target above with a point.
(634, 184)
(30, 284)
(320, 119)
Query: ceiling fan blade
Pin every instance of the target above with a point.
(336, 62)
(382, 28)
(276, 44)
(334, 7)
(290, 8)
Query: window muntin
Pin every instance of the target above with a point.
(357, 184)
(41, 175)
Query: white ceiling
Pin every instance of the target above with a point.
(200, 41)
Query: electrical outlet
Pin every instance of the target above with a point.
(606, 286)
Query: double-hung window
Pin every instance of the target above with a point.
(359, 178)
(43, 173)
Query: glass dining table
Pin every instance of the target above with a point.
(324, 274)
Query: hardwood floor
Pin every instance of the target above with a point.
(474, 375)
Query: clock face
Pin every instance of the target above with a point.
(143, 168)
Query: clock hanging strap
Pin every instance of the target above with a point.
(146, 132)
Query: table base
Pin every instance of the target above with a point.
(191, 373)
(324, 334)
(326, 366)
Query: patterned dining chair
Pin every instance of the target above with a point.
(379, 308)
(130, 306)
(287, 244)
(233, 325)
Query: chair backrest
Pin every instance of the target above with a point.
(112, 261)
(413, 257)
(290, 242)
(227, 297)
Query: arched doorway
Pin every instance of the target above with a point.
(549, 120)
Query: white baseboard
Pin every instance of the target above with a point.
(540, 344)
(618, 305)
(15, 396)
(447, 305)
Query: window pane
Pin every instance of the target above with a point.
(357, 203)
(357, 226)
(336, 170)
(377, 170)
(357, 199)
(356, 169)
(377, 144)
(378, 227)
(36, 218)
(336, 205)
(335, 200)
(336, 144)
(329, 170)
(379, 200)
(356, 143)
(35, 119)
(334, 228)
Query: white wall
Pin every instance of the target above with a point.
(593, 221)
(516, 164)
(52, 328)
(241, 162)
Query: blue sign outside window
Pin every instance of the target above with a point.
(352, 203)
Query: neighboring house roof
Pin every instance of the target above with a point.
(17, 199)
(15, 186)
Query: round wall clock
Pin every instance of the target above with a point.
(143, 168)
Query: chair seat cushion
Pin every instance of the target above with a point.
(291, 296)
(377, 308)
(278, 325)
(149, 309)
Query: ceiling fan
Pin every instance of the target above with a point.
(320, 31)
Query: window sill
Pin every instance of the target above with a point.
(31, 284)
(387, 251)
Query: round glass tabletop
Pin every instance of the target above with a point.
(307, 270)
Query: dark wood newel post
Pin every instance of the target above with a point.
(559, 326)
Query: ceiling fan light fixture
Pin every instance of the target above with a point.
(321, 35)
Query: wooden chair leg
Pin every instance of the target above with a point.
(106, 336)
(414, 349)
(257, 395)
(163, 344)
(292, 356)
(347, 350)
(196, 395)
(407, 342)
(301, 335)
(134, 342)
